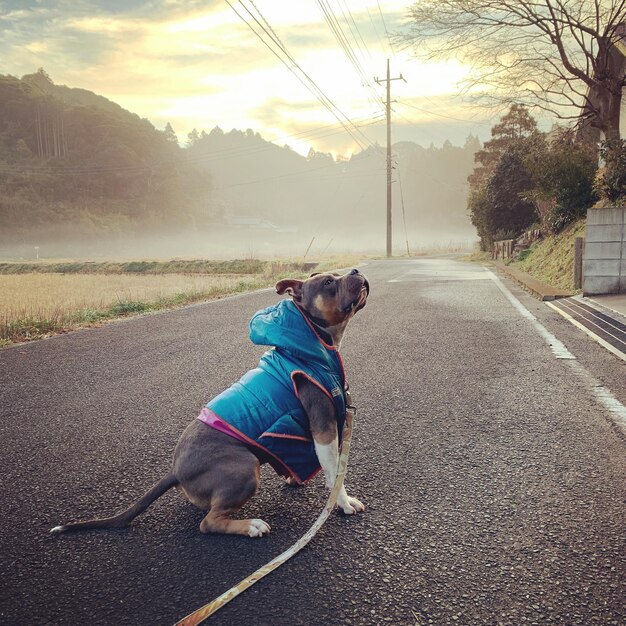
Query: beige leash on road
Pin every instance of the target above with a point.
(205, 611)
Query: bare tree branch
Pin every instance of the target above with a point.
(568, 47)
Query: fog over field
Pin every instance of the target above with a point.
(81, 177)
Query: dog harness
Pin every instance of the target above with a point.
(262, 408)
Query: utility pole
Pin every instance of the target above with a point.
(388, 81)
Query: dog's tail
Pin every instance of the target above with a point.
(125, 517)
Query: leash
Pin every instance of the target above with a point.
(199, 615)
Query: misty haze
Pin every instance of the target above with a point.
(113, 185)
(225, 226)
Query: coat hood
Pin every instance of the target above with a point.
(285, 327)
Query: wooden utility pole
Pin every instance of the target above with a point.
(388, 81)
(579, 252)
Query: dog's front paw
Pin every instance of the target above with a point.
(350, 505)
(258, 528)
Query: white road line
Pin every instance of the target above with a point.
(603, 306)
(558, 349)
(602, 395)
(590, 333)
(581, 302)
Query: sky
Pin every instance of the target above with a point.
(196, 64)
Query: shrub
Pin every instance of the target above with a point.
(563, 178)
(611, 185)
(129, 307)
(478, 209)
(508, 211)
(503, 234)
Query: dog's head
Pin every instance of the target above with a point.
(330, 300)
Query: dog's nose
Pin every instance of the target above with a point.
(354, 271)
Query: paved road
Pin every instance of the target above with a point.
(493, 472)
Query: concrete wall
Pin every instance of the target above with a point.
(604, 263)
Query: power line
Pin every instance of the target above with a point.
(356, 28)
(436, 180)
(291, 175)
(310, 86)
(406, 234)
(380, 39)
(382, 17)
(291, 64)
(304, 136)
(184, 158)
(448, 117)
(344, 43)
(421, 129)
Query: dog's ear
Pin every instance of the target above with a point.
(291, 287)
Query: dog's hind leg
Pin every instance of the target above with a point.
(227, 498)
(218, 520)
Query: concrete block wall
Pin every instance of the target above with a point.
(604, 262)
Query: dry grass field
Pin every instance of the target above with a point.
(34, 305)
(50, 295)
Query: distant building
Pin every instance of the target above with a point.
(259, 223)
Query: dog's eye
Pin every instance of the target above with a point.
(329, 281)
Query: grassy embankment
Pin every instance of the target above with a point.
(551, 260)
(42, 299)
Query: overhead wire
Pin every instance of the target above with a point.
(440, 182)
(292, 65)
(292, 174)
(382, 17)
(303, 136)
(411, 123)
(309, 84)
(264, 24)
(206, 156)
(345, 45)
(447, 117)
(380, 39)
(406, 234)
(356, 28)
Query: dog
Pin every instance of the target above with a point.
(288, 411)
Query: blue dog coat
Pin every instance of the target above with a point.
(263, 408)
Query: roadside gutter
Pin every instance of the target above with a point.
(535, 287)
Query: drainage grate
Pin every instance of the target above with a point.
(595, 322)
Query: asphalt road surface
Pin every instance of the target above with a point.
(493, 471)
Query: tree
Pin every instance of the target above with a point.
(170, 135)
(501, 182)
(515, 130)
(478, 208)
(562, 56)
(192, 138)
(507, 210)
(564, 176)
(612, 183)
(22, 149)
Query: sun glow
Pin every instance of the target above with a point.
(200, 68)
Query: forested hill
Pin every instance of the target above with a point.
(322, 196)
(74, 164)
(79, 174)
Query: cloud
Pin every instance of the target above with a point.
(194, 63)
